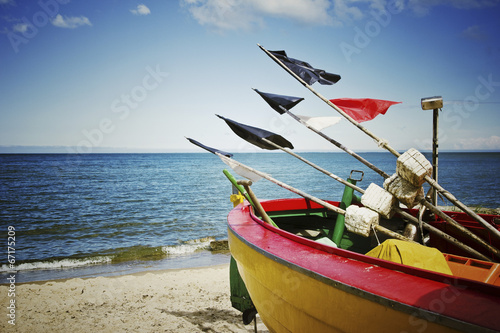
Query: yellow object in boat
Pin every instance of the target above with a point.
(411, 254)
(236, 199)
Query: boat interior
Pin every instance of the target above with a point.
(319, 224)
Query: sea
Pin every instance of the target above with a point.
(85, 215)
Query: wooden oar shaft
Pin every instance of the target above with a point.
(460, 227)
(258, 207)
(337, 144)
(237, 186)
(384, 144)
(443, 235)
(463, 207)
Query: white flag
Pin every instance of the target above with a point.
(240, 169)
(319, 123)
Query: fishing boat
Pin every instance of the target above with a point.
(300, 285)
(387, 261)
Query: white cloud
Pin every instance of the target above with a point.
(70, 22)
(345, 12)
(304, 11)
(474, 32)
(491, 143)
(21, 27)
(222, 14)
(422, 7)
(141, 10)
(246, 14)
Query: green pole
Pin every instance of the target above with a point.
(338, 232)
(238, 186)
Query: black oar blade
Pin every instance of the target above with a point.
(210, 149)
(254, 135)
(305, 71)
(275, 101)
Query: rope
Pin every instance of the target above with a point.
(382, 143)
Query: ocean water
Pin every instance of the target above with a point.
(106, 214)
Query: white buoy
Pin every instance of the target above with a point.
(379, 200)
(360, 219)
(403, 190)
(414, 167)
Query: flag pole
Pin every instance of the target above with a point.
(385, 144)
(315, 166)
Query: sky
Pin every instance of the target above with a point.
(93, 76)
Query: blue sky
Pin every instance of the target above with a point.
(93, 75)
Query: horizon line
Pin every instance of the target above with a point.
(32, 149)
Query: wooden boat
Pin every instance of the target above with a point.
(299, 285)
(297, 266)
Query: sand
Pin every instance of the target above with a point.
(188, 300)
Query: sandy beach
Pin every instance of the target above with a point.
(186, 300)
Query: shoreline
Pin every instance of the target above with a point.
(172, 300)
(135, 274)
(183, 261)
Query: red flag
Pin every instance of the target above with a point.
(363, 109)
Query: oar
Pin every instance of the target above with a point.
(269, 141)
(384, 144)
(233, 163)
(258, 207)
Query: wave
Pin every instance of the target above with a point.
(57, 264)
(188, 247)
(115, 256)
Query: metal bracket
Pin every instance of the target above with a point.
(358, 171)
